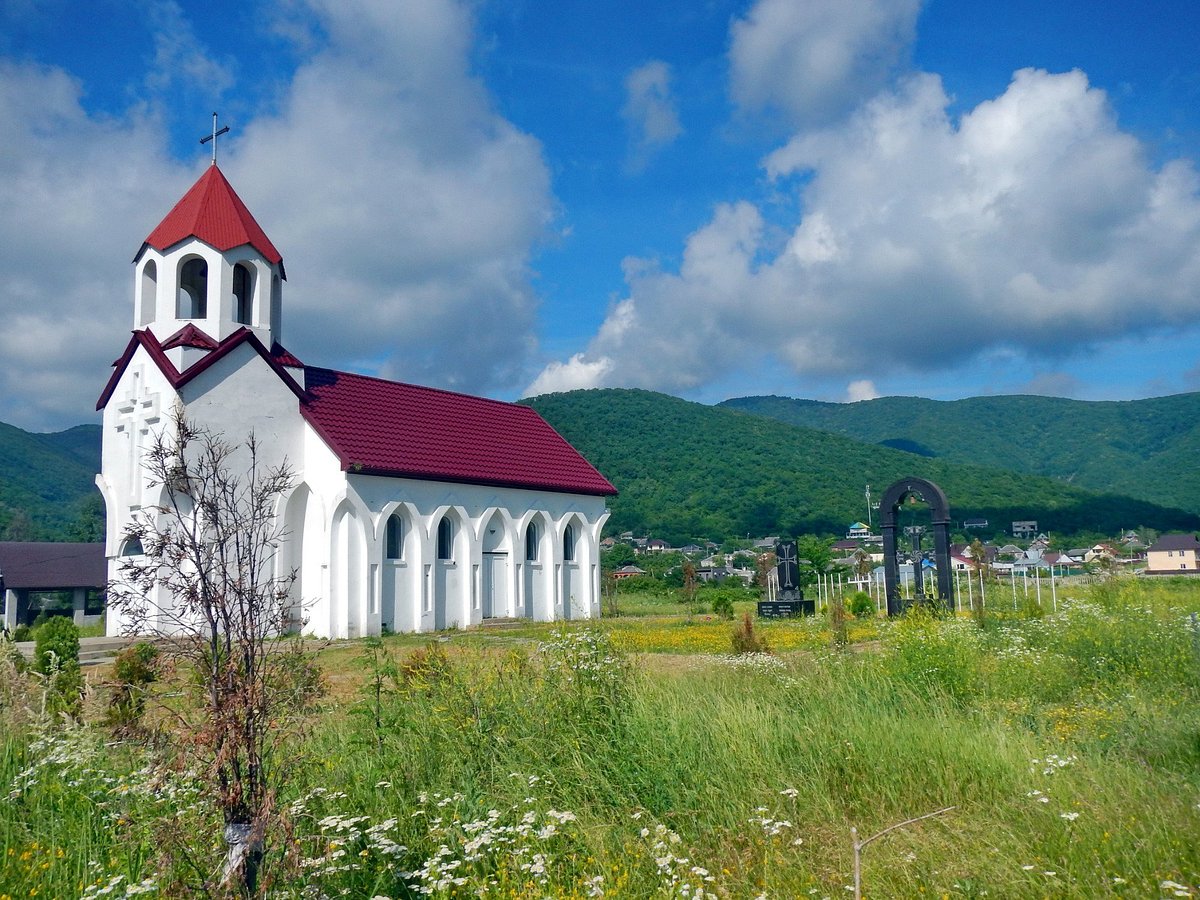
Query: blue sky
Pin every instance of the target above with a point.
(827, 200)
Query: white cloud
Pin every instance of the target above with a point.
(179, 57)
(577, 373)
(813, 61)
(73, 192)
(649, 112)
(863, 389)
(408, 240)
(405, 207)
(1033, 224)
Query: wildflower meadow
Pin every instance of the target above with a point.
(639, 757)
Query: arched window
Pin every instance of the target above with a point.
(569, 544)
(132, 547)
(531, 542)
(149, 297)
(445, 542)
(243, 294)
(193, 290)
(394, 537)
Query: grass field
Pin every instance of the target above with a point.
(637, 757)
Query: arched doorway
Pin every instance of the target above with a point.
(939, 521)
(496, 577)
(398, 610)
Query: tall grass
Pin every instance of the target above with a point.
(1066, 743)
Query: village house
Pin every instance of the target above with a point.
(412, 508)
(629, 571)
(1173, 554)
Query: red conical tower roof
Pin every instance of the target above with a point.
(213, 212)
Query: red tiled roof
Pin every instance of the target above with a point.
(388, 428)
(284, 357)
(214, 213)
(154, 349)
(190, 336)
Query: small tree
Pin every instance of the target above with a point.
(616, 556)
(763, 564)
(747, 640)
(689, 582)
(980, 565)
(816, 558)
(610, 586)
(837, 621)
(206, 580)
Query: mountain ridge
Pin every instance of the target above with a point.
(1141, 448)
(689, 470)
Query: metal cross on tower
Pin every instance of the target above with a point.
(213, 137)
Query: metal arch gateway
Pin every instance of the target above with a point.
(939, 514)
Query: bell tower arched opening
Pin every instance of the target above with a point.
(192, 301)
(147, 294)
(243, 294)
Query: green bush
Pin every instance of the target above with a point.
(58, 636)
(134, 670)
(860, 605)
(56, 656)
(722, 605)
(22, 633)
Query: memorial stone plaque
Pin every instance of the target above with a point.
(790, 601)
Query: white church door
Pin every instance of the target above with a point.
(495, 585)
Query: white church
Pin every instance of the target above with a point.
(413, 509)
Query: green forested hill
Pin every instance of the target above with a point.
(686, 470)
(48, 484)
(1148, 449)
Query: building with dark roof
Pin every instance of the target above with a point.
(1174, 554)
(56, 579)
(413, 508)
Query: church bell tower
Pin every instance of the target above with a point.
(206, 271)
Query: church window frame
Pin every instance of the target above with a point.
(569, 542)
(532, 539)
(393, 538)
(132, 546)
(445, 540)
(192, 297)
